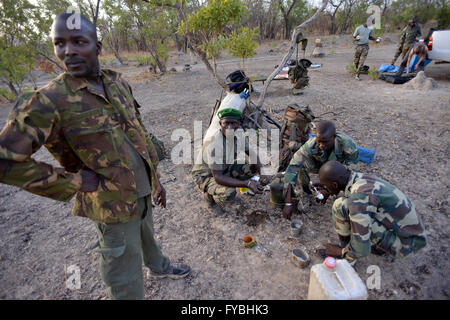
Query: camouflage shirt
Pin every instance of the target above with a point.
(370, 198)
(82, 129)
(345, 151)
(409, 34)
(218, 154)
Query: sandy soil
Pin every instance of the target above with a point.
(409, 129)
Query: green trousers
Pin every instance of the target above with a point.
(123, 247)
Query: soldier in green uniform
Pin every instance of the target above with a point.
(222, 169)
(327, 145)
(373, 215)
(407, 39)
(89, 121)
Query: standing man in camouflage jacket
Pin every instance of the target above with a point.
(327, 145)
(372, 215)
(407, 39)
(88, 120)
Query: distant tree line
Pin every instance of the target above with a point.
(152, 27)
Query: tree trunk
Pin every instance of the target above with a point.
(286, 57)
(154, 53)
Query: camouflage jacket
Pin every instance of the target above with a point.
(345, 151)
(370, 198)
(216, 154)
(409, 34)
(82, 129)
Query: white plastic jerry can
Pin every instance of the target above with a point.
(335, 280)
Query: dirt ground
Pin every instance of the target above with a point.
(408, 129)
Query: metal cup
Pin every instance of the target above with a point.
(300, 257)
(296, 228)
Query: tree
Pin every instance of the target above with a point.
(205, 30)
(283, 62)
(241, 43)
(286, 11)
(16, 55)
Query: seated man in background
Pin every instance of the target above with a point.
(372, 214)
(327, 145)
(219, 173)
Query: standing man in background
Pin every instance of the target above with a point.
(407, 39)
(362, 35)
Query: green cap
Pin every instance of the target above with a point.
(229, 113)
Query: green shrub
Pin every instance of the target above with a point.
(351, 68)
(145, 60)
(373, 74)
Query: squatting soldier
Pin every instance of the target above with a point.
(362, 35)
(407, 39)
(221, 170)
(89, 121)
(373, 215)
(326, 145)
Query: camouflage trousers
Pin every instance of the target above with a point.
(222, 194)
(123, 247)
(402, 49)
(380, 237)
(361, 52)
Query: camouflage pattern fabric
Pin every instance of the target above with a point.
(161, 151)
(374, 212)
(222, 194)
(361, 52)
(410, 34)
(229, 165)
(298, 76)
(216, 156)
(309, 158)
(82, 129)
(402, 49)
(407, 40)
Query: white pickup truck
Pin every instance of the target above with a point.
(439, 45)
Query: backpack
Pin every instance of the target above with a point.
(295, 128)
(298, 73)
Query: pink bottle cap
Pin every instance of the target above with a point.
(330, 263)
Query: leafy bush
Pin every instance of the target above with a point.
(145, 60)
(373, 74)
(241, 43)
(351, 68)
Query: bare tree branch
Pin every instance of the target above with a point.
(288, 55)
